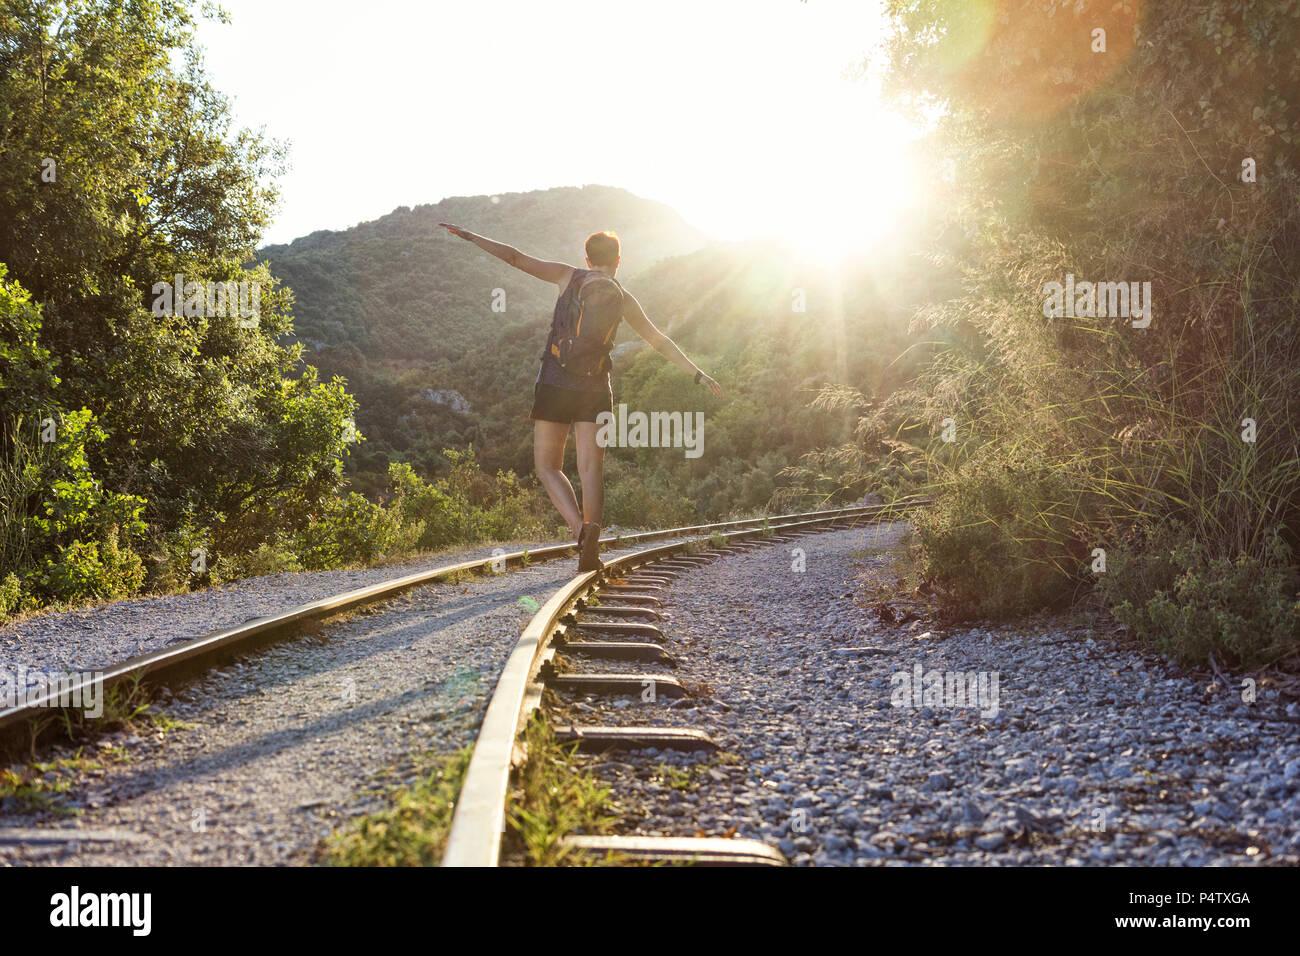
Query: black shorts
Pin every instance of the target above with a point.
(554, 404)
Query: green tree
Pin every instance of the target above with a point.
(118, 172)
(1169, 156)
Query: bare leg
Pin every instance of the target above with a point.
(548, 462)
(591, 469)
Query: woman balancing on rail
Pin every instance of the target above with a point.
(573, 383)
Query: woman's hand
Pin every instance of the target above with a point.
(711, 385)
(458, 231)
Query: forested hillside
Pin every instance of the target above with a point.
(403, 312)
(407, 313)
(158, 446)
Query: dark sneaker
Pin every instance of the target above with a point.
(589, 548)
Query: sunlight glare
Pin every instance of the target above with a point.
(837, 181)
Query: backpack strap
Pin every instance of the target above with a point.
(591, 276)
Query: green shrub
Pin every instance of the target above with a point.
(630, 502)
(1173, 592)
(269, 557)
(353, 530)
(91, 570)
(11, 595)
(467, 506)
(64, 536)
(511, 511)
(997, 541)
(170, 565)
(442, 517)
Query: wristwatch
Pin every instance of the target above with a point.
(698, 373)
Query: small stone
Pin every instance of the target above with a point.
(849, 819)
(1019, 768)
(1226, 812)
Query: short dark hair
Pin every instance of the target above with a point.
(602, 248)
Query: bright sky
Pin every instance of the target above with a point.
(734, 112)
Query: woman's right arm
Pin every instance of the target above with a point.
(642, 326)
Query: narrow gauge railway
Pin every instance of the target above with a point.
(626, 591)
(28, 721)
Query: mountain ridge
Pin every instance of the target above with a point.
(398, 306)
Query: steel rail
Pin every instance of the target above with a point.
(478, 821)
(200, 650)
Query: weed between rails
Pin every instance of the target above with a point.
(553, 799)
(413, 830)
(40, 786)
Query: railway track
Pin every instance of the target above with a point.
(294, 754)
(21, 726)
(627, 592)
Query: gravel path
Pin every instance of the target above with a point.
(281, 748)
(1088, 753)
(95, 637)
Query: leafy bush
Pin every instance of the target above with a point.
(73, 503)
(1172, 591)
(512, 510)
(633, 503)
(486, 507)
(11, 595)
(173, 562)
(420, 502)
(269, 557)
(65, 537)
(352, 530)
(87, 570)
(465, 506)
(997, 540)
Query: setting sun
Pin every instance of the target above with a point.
(752, 122)
(834, 181)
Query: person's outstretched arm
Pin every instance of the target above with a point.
(642, 326)
(557, 272)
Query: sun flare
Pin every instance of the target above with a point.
(834, 177)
